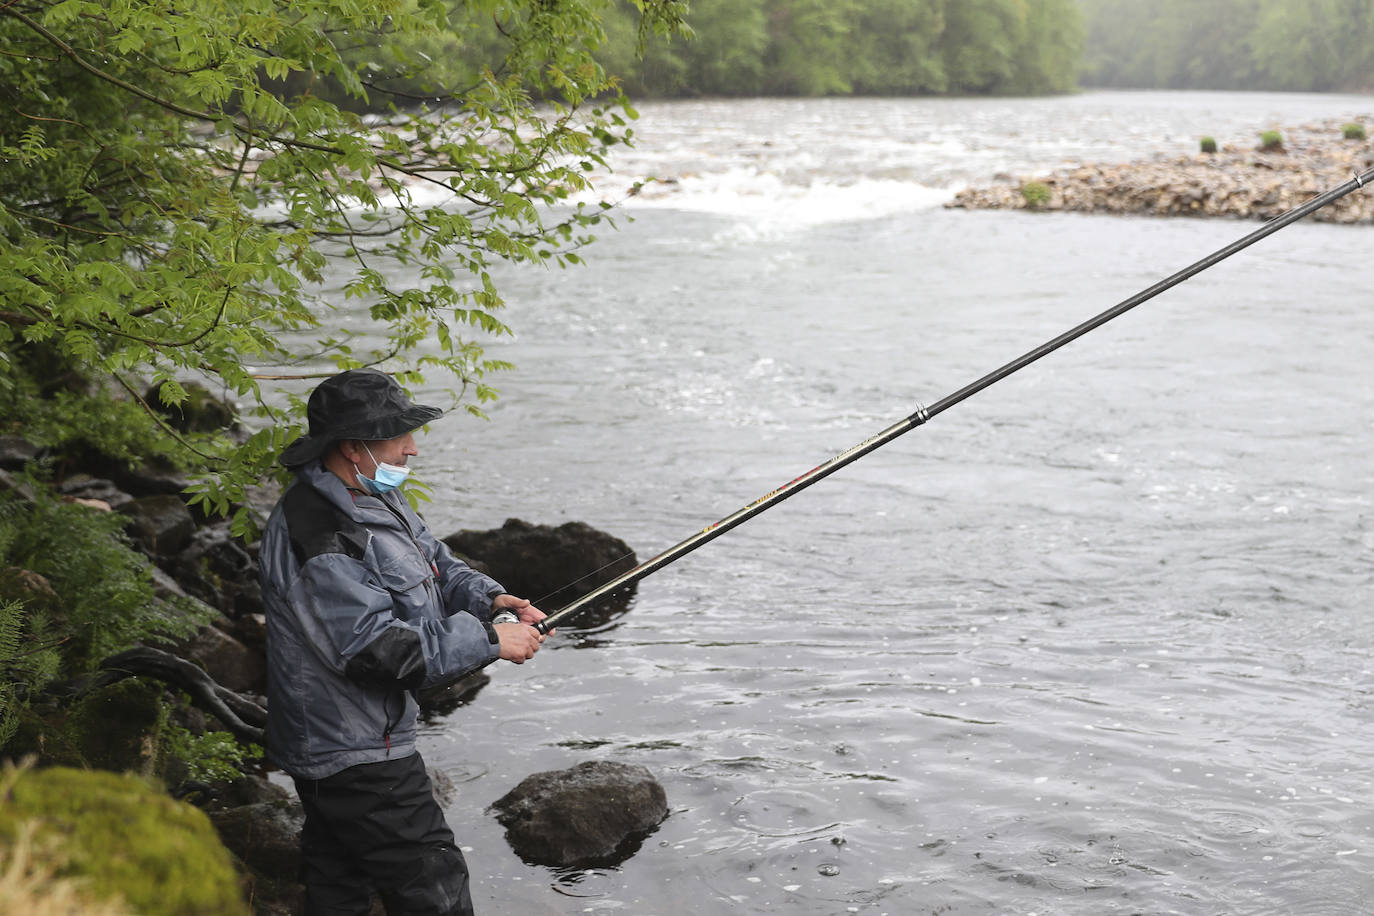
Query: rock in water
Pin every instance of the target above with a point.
(593, 813)
(552, 566)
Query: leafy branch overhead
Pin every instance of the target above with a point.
(190, 189)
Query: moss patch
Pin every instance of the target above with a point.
(1037, 194)
(29, 883)
(125, 839)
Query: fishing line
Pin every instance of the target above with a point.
(922, 414)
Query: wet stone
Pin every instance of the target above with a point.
(552, 564)
(596, 813)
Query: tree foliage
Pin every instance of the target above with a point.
(187, 193)
(868, 47)
(1295, 45)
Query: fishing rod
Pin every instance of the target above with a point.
(923, 414)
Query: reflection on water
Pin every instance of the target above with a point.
(1092, 642)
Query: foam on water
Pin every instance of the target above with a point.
(771, 202)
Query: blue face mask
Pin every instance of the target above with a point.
(389, 476)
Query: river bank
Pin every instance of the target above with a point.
(185, 709)
(1234, 181)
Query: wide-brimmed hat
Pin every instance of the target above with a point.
(356, 404)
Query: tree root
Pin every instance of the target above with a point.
(243, 717)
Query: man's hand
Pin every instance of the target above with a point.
(520, 607)
(519, 641)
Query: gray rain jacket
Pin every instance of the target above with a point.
(363, 606)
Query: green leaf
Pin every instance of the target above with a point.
(199, 198)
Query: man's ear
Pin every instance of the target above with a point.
(351, 450)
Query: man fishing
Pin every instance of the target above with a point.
(364, 606)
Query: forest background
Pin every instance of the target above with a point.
(919, 47)
(740, 48)
(176, 178)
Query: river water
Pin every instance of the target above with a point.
(1094, 641)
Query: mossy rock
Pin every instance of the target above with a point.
(124, 839)
(117, 727)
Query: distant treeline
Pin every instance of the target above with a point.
(771, 47)
(1294, 45)
(916, 47)
(860, 47)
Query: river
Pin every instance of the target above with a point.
(1088, 643)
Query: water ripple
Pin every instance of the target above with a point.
(1093, 643)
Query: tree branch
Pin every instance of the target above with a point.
(162, 422)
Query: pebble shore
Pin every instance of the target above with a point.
(1233, 182)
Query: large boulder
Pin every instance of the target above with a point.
(551, 566)
(595, 813)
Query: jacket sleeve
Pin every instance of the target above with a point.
(349, 619)
(463, 588)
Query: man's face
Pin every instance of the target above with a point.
(396, 451)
